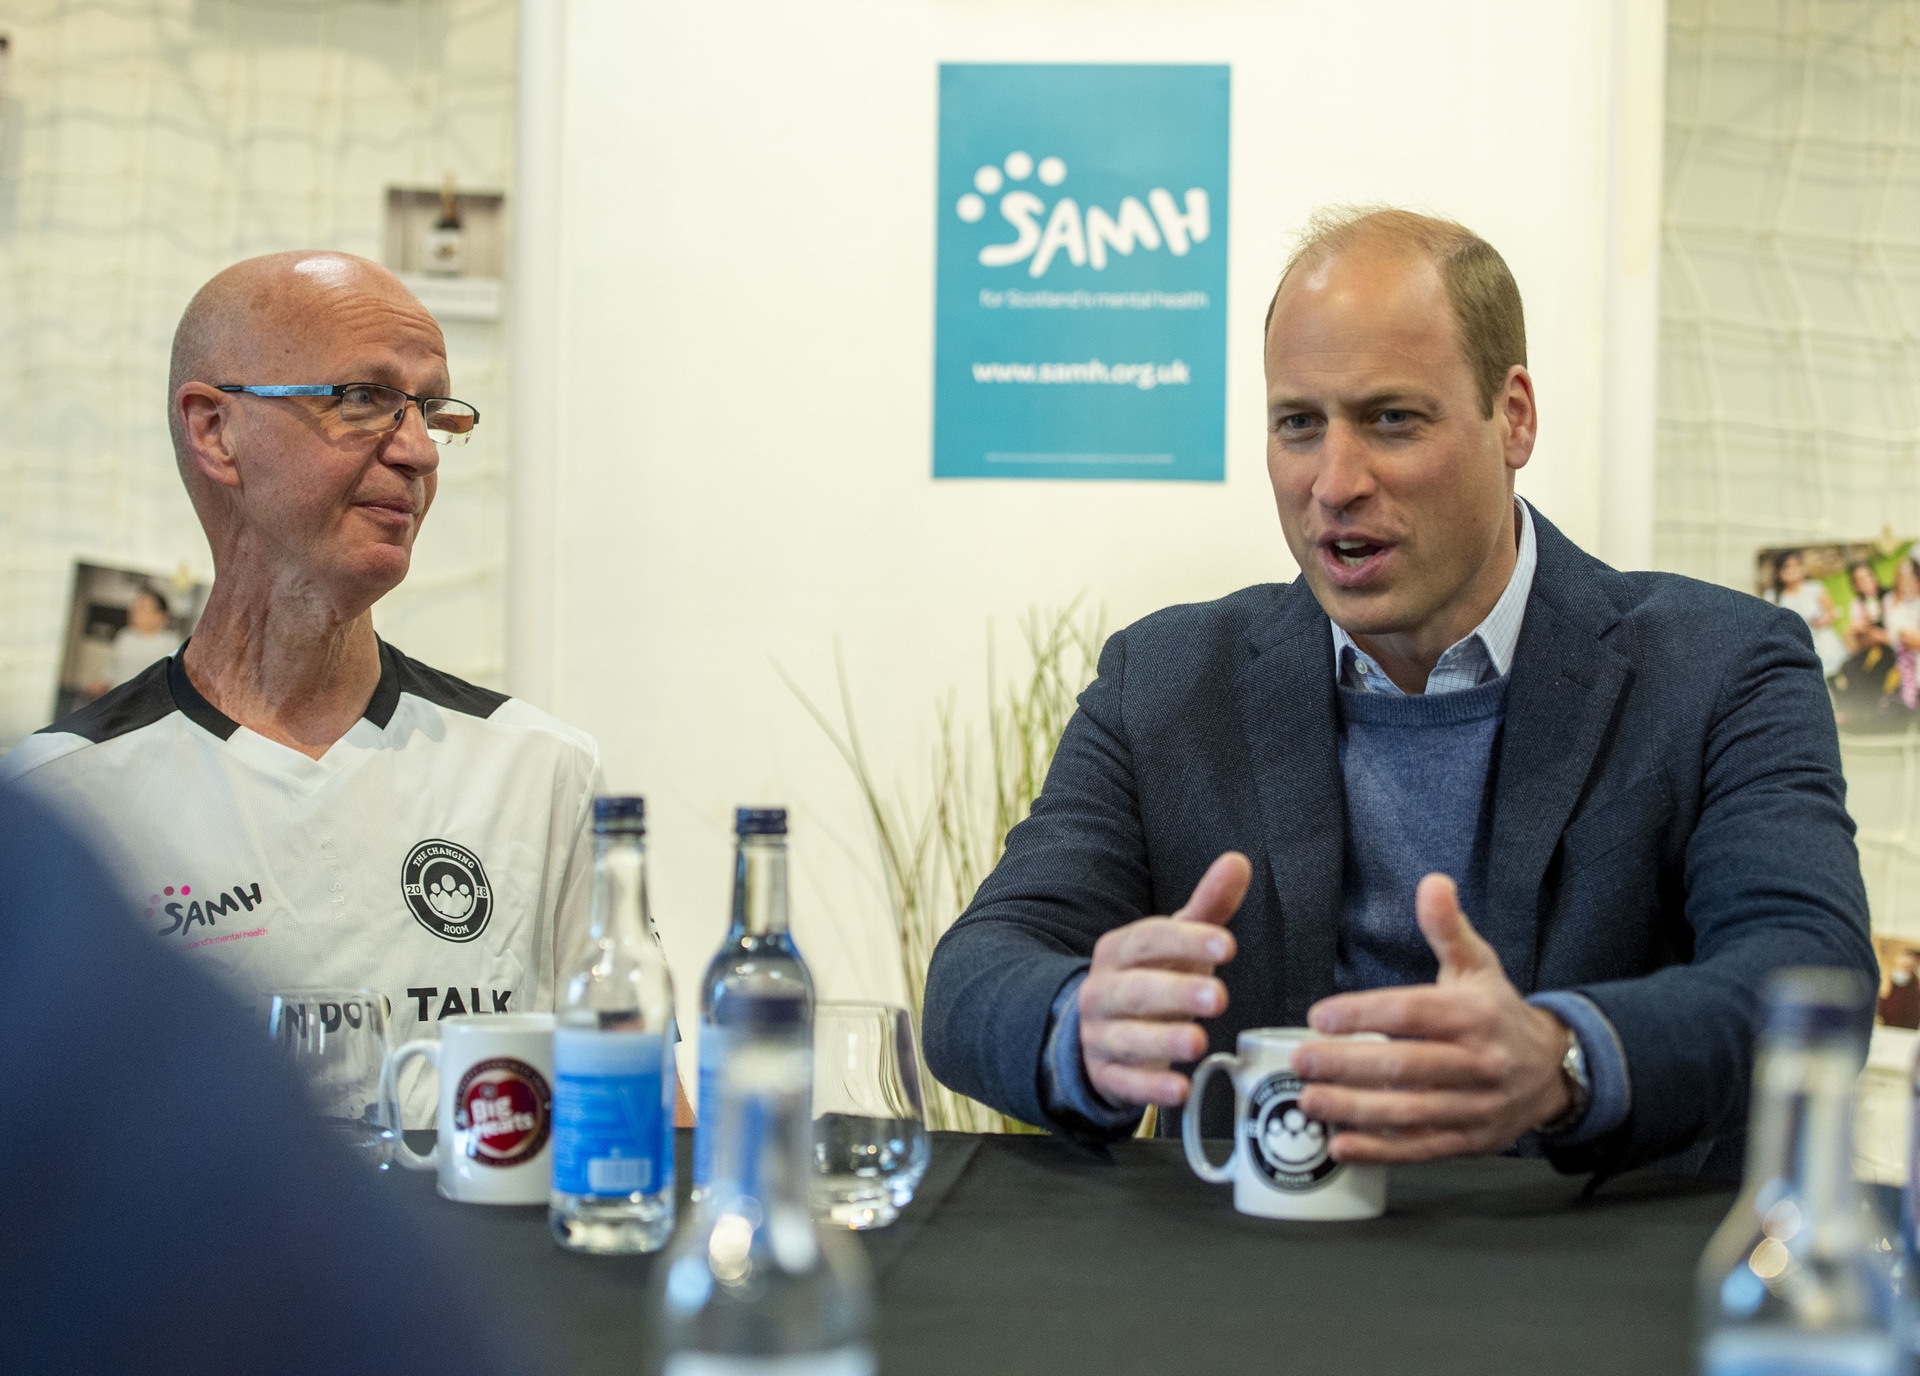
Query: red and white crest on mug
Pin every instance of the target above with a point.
(504, 1108)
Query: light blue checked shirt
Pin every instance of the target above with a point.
(1484, 654)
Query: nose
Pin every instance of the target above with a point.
(408, 446)
(1346, 469)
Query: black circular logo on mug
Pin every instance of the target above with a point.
(447, 890)
(1291, 1150)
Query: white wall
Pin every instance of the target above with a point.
(743, 425)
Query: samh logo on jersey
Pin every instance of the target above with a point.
(181, 911)
(503, 1109)
(446, 888)
(1293, 1151)
(1087, 238)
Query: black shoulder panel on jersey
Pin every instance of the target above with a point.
(141, 701)
(198, 710)
(398, 675)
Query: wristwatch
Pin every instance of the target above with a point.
(1573, 1069)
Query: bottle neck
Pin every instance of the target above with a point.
(619, 886)
(760, 886)
(1800, 1140)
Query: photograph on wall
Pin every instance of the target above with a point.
(1899, 1001)
(1081, 264)
(1861, 602)
(118, 622)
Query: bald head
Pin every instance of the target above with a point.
(291, 491)
(274, 312)
(1485, 299)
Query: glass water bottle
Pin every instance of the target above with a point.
(752, 1285)
(1793, 1283)
(613, 1064)
(756, 960)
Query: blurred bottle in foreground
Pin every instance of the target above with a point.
(1794, 1283)
(613, 1059)
(1906, 1275)
(752, 1285)
(756, 962)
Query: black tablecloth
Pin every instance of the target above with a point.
(1024, 1254)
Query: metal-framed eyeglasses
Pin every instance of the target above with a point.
(379, 408)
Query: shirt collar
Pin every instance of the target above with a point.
(1485, 653)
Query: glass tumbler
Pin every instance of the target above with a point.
(870, 1146)
(338, 1040)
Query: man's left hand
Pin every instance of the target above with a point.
(1479, 1066)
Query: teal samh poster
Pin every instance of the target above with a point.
(1080, 306)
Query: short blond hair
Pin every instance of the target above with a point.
(1480, 287)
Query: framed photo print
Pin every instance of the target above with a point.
(1861, 603)
(119, 621)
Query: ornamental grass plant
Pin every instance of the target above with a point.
(935, 844)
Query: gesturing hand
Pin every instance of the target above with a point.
(1484, 1069)
(1150, 980)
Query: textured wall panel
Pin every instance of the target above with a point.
(1790, 321)
(144, 146)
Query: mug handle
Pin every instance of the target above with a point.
(1190, 1123)
(390, 1100)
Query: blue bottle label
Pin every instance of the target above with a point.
(1771, 1350)
(713, 1061)
(612, 1121)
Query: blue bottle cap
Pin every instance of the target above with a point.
(1809, 1002)
(620, 812)
(760, 821)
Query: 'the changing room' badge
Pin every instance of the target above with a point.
(447, 890)
(1290, 1149)
(505, 1110)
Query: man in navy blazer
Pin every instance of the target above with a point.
(1547, 825)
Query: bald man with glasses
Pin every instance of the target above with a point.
(298, 803)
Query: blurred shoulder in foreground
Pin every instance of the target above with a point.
(167, 1203)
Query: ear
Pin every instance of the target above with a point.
(206, 422)
(1514, 404)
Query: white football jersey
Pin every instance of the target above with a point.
(440, 853)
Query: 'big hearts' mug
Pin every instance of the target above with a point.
(495, 1116)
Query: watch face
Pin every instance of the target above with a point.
(1574, 1065)
(1573, 1069)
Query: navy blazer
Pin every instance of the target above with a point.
(1669, 825)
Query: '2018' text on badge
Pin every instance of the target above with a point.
(1080, 327)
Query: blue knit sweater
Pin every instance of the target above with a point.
(1417, 771)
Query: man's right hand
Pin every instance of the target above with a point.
(1150, 980)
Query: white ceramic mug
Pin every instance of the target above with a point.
(495, 1117)
(1281, 1165)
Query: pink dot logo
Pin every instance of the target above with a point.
(168, 891)
(185, 889)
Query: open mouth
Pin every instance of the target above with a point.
(1353, 553)
(1354, 562)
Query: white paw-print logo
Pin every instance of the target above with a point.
(1293, 1141)
(990, 179)
(451, 898)
(1085, 236)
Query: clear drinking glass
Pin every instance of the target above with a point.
(338, 1039)
(870, 1146)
